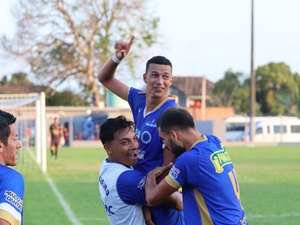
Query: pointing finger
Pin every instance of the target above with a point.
(131, 40)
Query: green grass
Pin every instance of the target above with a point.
(269, 180)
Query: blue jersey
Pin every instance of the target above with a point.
(11, 195)
(209, 184)
(150, 154)
(131, 189)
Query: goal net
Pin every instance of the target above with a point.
(31, 125)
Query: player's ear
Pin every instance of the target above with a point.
(145, 78)
(171, 82)
(107, 148)
(1, 147)
(173, 134)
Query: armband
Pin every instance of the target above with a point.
(115, 59)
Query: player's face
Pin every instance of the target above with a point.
(170, 140)
(124, 148)
(9, 152)
(158, 80)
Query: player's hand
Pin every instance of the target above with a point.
(122, 48)
(159, 170)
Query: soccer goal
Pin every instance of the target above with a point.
(31, 124)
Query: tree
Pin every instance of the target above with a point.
(3, 80)
(63, 39)
(66, 98)
(297, 81)
(230, 92)
(277, 89)
(19, 83)
(20, 78)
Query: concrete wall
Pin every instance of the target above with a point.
(215, 127)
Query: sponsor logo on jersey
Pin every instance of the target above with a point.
(108, 209)
(103, 184)
(137, 133)
(141, 185)
(146, 137)
(151, 124)
(220, 159)
(141, 154)
(14, 199)
(174, 172)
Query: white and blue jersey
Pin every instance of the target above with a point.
(11, 195)
(122, 190)
(209, 184)
(118, 211)
(150, 154)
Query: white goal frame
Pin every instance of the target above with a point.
(14, 102)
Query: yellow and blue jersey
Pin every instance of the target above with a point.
(209, 184)
(11, 195)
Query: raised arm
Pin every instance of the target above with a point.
(106, 74)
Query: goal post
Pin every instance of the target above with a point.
(30, 110)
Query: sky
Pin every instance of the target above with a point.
(206, 38)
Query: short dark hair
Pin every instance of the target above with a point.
(6, 119)
(175, 118)
(158, 60)
(111, 126)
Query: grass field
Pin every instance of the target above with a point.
(68, 194)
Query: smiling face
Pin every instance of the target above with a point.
(124, 148)
(158, 79)
(8, 152)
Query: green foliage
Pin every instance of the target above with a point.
(277, 90)
(229, 92)
(19, 83)
(19, 78)
(66, 98)
(4, 81)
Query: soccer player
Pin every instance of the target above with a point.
(11, 181)
(203, 169)
(121, 187)
(56, 133)
(146, 106)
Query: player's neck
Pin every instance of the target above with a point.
(192, 137)
(152, 103)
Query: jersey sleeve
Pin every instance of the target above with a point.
(178, 173)
(131, 187)
(136, 97)
(131, 95)
(11, 198)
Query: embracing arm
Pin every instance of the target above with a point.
(162, 192)
(106, 74)
(168, 157)
(175, 201)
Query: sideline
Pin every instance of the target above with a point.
(285, 215)
(68, 211)
(70, 214)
